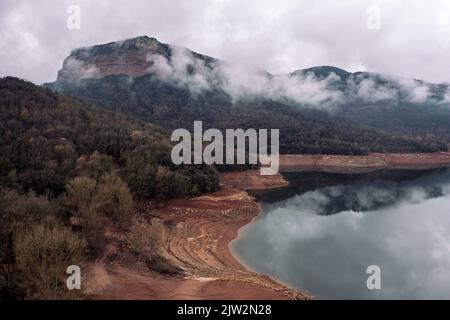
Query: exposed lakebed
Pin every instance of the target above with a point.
(321, 233)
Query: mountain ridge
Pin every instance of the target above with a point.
(129, 56)
(321, 109)
(165, 49)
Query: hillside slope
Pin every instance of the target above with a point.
(47, 137)
(172, 87)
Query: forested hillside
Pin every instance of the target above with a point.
(66, 167)
(47, 138)
(302, 129)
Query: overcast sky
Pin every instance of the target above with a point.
(413, 38)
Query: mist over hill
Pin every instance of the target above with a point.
(318, 110)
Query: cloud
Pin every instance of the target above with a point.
(369, 91)
(402, 227)
(279, 36)
(376, 88)
(417, 92)
(183, 69)
(242, 82)
(301, 88)
(79, 69)
(305, 88)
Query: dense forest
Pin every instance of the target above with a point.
(64, 166)
(48, 138)
(425, 122)
(302, 129)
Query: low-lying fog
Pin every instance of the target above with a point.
(403, 227)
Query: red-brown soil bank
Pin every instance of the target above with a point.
(194, 236)
(372, 162)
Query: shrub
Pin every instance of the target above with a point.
(81, 192)
(116, 200)
(17, 211)
(43, 253)
(82, 196)
(144, 238)
(91, 200)
(95, 166)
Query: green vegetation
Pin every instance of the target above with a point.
(48, 139)
(428, 123)
(65, 167)
(43, 253)
(302, 130)
(143, 240)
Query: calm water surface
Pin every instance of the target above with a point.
(322, 232)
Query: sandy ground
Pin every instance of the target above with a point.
(251, 180)
(194, 236)
(356, 164)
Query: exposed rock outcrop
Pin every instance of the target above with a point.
(133, 57)
(130, 57)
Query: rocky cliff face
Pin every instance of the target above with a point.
(130, 57)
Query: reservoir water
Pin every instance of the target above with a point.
(322, 232)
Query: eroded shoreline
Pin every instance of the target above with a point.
(363, 164)
(196, 235)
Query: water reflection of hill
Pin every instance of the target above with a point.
(301, 182)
